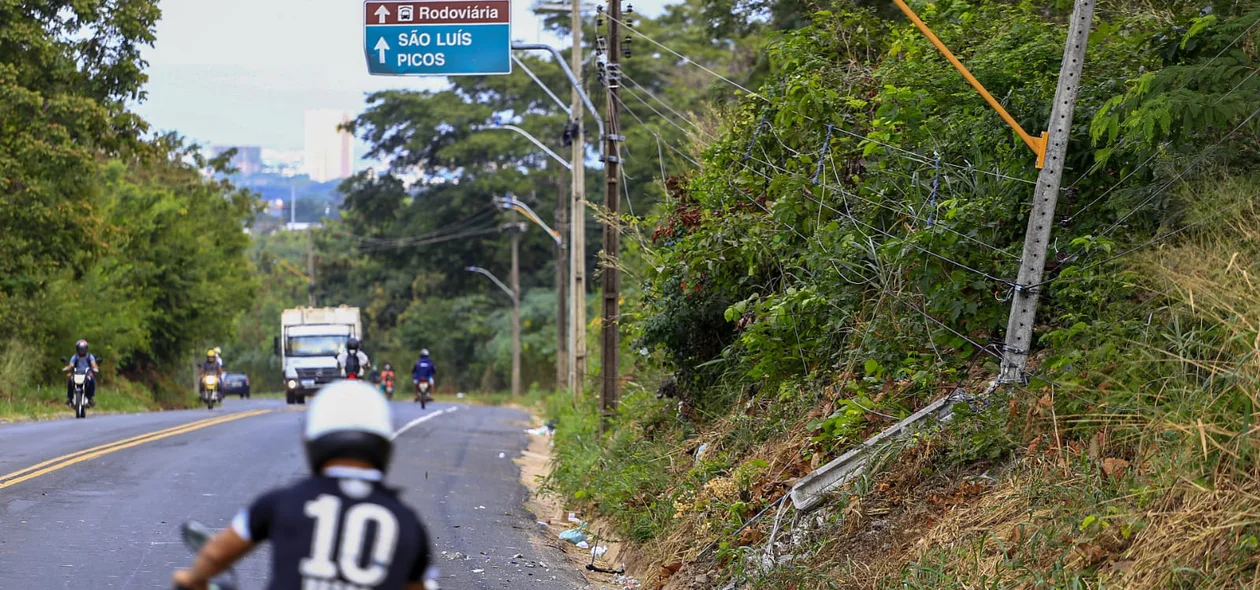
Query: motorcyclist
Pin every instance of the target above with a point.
(424, 369)
(82, 361)
(387, 376)
(218, 357)
(352, 360)
(210, 367)
(348, 447)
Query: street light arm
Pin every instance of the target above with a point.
(496, 280)
(529, 213)
(553, 96)
(531, 138)
(572, 79)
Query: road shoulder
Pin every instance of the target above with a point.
(553, 518)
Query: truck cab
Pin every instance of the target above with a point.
(309, 342)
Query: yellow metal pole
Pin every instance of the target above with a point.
(1038, 144)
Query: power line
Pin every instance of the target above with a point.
(1167, 185)
(690, 61)
(658, 113)
(775, 133)
(429, 242)
(655, 134)
(665, 104)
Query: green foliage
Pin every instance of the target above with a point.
(629, 483)
(104, 235)
(399, 250)
(811, 262)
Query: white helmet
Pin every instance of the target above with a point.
(348, 420)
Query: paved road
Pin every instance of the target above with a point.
(108, 517)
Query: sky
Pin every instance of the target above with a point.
(241, 72)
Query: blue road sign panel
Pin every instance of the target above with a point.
(437, 37)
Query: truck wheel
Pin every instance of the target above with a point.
(289, 398)
(301, 399)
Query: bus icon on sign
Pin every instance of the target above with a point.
(406, 14)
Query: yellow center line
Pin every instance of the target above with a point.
(64, 461)
(104, 446)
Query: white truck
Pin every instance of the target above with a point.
(309, 342)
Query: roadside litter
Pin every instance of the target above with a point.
(577, 536)
(547, 429)
(626, 582)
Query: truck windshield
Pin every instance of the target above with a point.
(316, 345)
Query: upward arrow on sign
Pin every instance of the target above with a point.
(381, 47)
(381, 13)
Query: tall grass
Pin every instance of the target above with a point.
(1148, 477)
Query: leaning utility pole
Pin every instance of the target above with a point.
(1019, 330)
(577, 217)
(562, 348)
(810, 490)
(515, 281)
(612, 227)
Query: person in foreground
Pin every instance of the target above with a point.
(341, 528)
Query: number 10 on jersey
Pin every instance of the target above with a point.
(347, 561)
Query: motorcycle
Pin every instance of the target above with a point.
(79, 400)
(195, 537)
(422, 393)
(210, 393)
(389, 388)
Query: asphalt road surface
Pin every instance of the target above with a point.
(97, 503)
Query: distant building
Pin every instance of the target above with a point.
(327, 151)
(284, 163)
(248, 158)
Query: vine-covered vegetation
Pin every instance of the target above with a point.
(845, 254)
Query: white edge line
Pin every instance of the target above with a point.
(421, 420)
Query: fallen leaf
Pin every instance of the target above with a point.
(750, 536)
(1114, 467)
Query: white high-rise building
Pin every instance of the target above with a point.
(327, 150)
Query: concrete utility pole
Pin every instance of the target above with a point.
(577, 219)
(609, 361)
(562, 287)
(310, 266)
(1019, 330)
(515, 280)
(813, 488)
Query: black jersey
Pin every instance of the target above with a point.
(338, 533)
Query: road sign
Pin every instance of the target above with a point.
(437, 37)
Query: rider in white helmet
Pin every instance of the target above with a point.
(348, 446)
